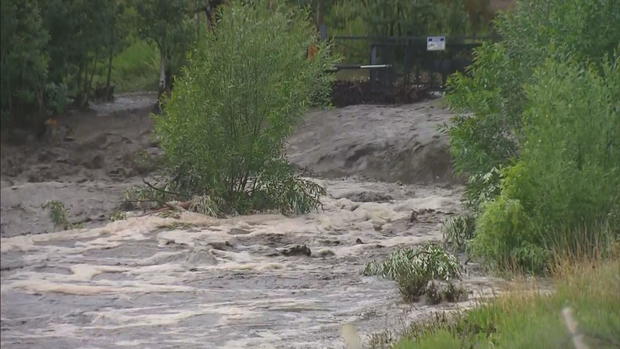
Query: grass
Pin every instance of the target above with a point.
(136, 68)
(521, 319)
(60, 215)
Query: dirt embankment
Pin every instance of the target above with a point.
(384, 143)
(86, 163)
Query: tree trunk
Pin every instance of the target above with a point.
(319, 13)
(162, 73)
(108, 90)
(89, 85)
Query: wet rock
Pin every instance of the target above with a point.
(416, 214)
(118, 172)
(46, 156)
(326, 253)
(95, 218)
(330, 242)
(95, 163)
(221, 245)
(297, 250)
(369, 196)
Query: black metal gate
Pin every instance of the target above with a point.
(406, 61)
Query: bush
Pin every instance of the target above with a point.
(502, 236)
(412, 269)
(136, 68)
(59, 215)
(564, 193)
(538, 127)
(56, 97)
(458, 230)
(246, 86)
(491, 96)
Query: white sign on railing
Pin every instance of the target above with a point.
(436, 43)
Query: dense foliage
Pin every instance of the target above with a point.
(538, 131)
(402, 18)
(23, 59)
(166, 24)
(244, 89)
(56, 52)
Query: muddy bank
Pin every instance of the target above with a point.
(382, 143)
(107, 149)
(97, 155)
(201, 282)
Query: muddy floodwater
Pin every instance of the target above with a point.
(181, 280)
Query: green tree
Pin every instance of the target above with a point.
(167, 24)
(563, 194)
(117, 22)
(247, 84)
(487, 135)
(23, 60)
(412, 18)
(537, 135)
(84, 36)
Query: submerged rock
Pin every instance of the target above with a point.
(297, 250)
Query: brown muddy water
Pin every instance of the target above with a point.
(183, 280)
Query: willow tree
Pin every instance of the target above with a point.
(245, 87)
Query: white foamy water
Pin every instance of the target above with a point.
(203, 282)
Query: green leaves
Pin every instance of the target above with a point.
(412, 269)
(563, 193)
(538, 128)
(246, 86)
(23, 59)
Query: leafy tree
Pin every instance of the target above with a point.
(85, 34)
(167, 24)
(23, 60)
(246, 85)
(117, 26)
(537, 135)
(487, 136)
(563, 194)
(411, 18)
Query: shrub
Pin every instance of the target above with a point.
(117, 216)
(136, 68)
(564, 193)
(458, 230)
(56, 97)
(538, 127)
(245, 87)
(412, 269)
(491, 96)
(59, 214)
